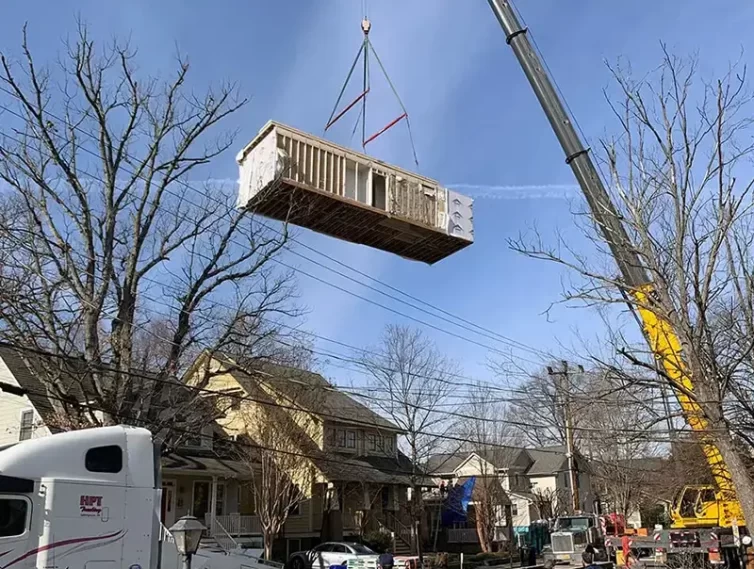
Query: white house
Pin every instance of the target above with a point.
(535, 480)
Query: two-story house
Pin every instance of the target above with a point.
(535, 480)
(346, 456)
(198, 477)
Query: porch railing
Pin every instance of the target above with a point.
(237, 524)
(462, 535)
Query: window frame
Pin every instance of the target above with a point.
(27, 514)
(340, 435)
(388, 443)
(22, 427)
(372, 442)
(351, 439)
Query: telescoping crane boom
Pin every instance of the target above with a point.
(662, 339)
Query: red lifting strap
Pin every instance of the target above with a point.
(387, 127)
(348, 108)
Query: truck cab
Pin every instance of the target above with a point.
(571, 535)
(85, 498)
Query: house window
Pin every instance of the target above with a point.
(351, 439)
(514, 509)
(341, 438)
(388, 444)
(27, 425)
(372, 441)
(193, 441)
(220, 500)
(330, 437)
(295, 509)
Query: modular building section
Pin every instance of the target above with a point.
(291, 176)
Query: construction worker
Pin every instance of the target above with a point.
(588, 557)
(385, 561)
(625, 544)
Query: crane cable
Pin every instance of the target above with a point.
(363, 52)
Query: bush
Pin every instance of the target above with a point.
(378, 541)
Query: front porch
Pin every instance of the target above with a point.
(212, 489)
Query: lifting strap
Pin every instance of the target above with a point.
(363, 53)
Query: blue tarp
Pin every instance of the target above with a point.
(456, 504)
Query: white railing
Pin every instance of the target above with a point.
(462, 535)
(237, 524)
(222, 537)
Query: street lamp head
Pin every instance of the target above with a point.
(187, 533)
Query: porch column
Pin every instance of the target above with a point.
(213, 504)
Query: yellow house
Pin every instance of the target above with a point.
(342, 455)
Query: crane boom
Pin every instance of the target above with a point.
(661, 337)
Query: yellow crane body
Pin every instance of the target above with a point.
(695, 506)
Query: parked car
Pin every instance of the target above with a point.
(329, 553)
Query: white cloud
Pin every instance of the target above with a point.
(518, 192)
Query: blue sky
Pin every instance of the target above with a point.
(476, 123)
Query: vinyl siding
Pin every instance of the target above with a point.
(11, 407)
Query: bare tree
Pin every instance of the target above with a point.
(679, 177)
(281, 450)
(116, 254)
(489, 510)
(549, 503)
(539, 412)
(280, 482)
(415, 382)
(491, 439)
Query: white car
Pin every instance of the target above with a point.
(329, 553)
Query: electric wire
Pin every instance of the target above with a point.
(485, 333)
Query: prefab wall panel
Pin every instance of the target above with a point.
(308, 161)
(390, 205)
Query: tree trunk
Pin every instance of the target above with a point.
(739, 474)
(269, 539)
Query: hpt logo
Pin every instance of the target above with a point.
(90, 505)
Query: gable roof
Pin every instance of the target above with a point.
(444, 463)
(549, 461)
(545, 461)
(308, 390)
(501, 456)
(370, 468)
(31, 369)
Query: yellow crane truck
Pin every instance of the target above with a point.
(702, 515)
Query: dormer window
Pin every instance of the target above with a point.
(203, 440)
(388, 444)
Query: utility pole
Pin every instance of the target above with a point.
(564, 399)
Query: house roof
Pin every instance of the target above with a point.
(444, 463)
(501, 456)
(31, 369)
(374, 469)
(204, 462)
(547, 460)
(312, 392)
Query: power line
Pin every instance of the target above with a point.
(235, 367)
(487, 333)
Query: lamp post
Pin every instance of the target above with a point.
(187, 533)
